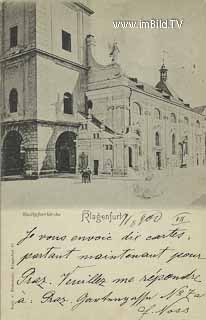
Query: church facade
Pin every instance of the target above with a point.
(62, 111)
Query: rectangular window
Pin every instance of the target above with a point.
(96, 135)
(66, 41)
(68, 103)
(84, 126)
(13, 36)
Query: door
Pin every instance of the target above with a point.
(96, 167)
(130, 157)
(66, 153)
(12, 159)
(158, 160)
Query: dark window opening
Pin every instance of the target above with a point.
(198, 123)
(89, 104)
(66, 41)
(157, 114)
(130, 156)
(157, 139)
(68, 103)
(96, 135)
(13, 36)
(13, 100)
(173, 118)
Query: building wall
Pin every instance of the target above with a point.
(113, 106)
(41, 79)
(53, 81)
(29, 146)
(39, 25)
(47, 136)
(18, 71)
(20, 74)
(20, 14)
(49, 29)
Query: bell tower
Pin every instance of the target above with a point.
(163, 73)
(43, 79)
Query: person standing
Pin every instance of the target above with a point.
(89, 172)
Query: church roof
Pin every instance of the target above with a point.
(165, 87)
(163, 91)
(99, 75)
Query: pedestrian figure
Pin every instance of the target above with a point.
(86, 175)
(89, 172)
(83, 174)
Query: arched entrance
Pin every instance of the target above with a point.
(12, 157)
(130, 157)
(66, 152)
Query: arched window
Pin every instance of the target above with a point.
(173, 118)
(186, 120)
(198, 124)
(157, 139)
(68, 103)
(173, 144)
(157, 114)
(136, 112)
(138, 109)
(13, 100)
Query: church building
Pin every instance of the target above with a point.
(62, 111)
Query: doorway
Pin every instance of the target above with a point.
(66, 152)
(12, 159)
(130, 157)
(96, 167)
(158, 160)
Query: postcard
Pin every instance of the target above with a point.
(103, 159)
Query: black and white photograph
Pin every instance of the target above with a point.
(103, 132)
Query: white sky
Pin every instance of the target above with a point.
(141, 50)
